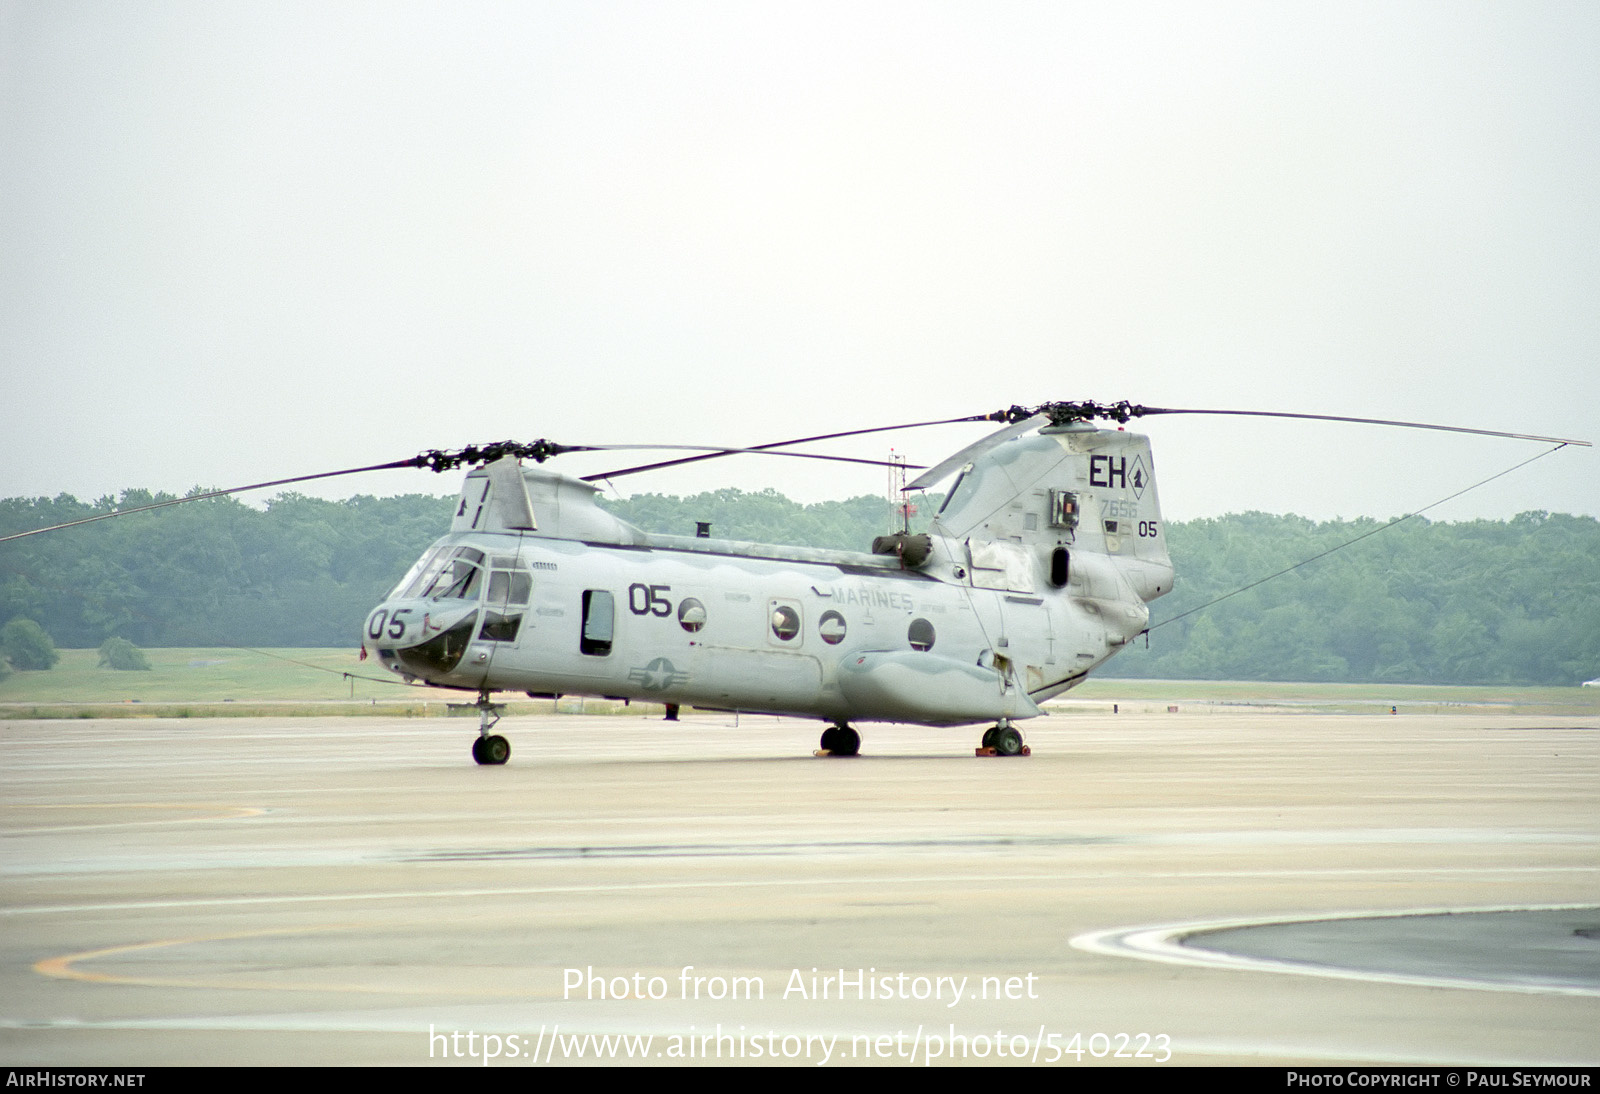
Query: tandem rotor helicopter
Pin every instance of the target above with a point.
(1040, 565)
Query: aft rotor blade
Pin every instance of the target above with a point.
(437, 461)
(784, 444)
(1144, 411)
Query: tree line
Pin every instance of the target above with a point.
(1514, 601)
(1473, 602)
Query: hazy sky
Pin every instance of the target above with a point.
(242, 240)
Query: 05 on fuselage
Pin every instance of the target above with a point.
(1039, 566)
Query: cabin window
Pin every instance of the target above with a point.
(785, 622)
(598, 612)
(691, 614)
(920, 634)
(832, 627)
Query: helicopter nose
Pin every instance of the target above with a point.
(420, 638)
(387, 624)
(398, 624)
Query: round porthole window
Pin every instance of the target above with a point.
(920, 634)
(691, 614)
(831, 627)
(785, 622)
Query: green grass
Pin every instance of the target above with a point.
(202, 675)
(211, 683)
(293, 682)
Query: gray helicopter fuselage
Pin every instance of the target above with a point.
(1021, 593)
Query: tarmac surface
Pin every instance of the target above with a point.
(1201, 888)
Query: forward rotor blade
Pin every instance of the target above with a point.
(438, 461)
(709, 453)
(213, 494)
(785, 444)
(1365, 421)
(434, 459)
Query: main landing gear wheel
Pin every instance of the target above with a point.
(492, 750)
(841, 741)
(1007, 741)
(1003, 740)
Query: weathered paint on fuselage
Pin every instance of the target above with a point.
(1038, 568)
(736, 658)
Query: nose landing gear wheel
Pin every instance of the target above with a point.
(491, 751)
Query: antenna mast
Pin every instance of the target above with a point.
(901, 507)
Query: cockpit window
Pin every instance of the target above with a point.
(459, 581)
(509, 591)
(454, 575)
(429, 572)
(416, 570)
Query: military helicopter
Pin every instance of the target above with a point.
(1039, 566)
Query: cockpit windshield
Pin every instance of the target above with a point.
(449, 574)
(416, 570)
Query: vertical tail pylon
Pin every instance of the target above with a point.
(1092, 491)
(1071, 508)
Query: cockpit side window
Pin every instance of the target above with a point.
(510, 587)
(509, 591)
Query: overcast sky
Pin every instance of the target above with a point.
(242, 241)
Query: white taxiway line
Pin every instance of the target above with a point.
(1166, 943)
